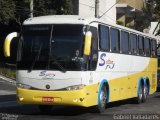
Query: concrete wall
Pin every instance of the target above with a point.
(87, 8)
(110, 7)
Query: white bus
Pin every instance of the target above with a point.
(68, 60)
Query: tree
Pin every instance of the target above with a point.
(67, 8)
(52, 7)
(157, 9)
(22, 10)
(44, 7)
(7, 10)
(19, 10)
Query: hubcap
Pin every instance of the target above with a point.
(102, 99)
(140, 94)
(145, 91)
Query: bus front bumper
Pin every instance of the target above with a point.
(85, 97)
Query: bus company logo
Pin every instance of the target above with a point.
(46, 75)
(42, 73)
(108, 62)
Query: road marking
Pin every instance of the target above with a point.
(7, 92)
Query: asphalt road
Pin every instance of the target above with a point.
(123, 110)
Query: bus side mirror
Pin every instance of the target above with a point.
(87, 45)
(7, 43)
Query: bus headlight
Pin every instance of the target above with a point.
(75, 87)
(20, 85)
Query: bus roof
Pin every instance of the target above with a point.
(75, 19)
(57, 19)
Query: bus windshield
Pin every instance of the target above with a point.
(51, 47)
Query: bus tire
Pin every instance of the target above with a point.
(45, 108)
(138, 99)
(102, 100)
(145, 93)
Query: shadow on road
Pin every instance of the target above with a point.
(158, 93)
(158, 89)
(56, 111)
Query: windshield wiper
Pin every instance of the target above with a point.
(35, 59)
(50, 54)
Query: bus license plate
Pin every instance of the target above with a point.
(47, 99)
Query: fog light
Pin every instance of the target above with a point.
(75, 100)
(21, 99)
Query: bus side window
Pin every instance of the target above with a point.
(104, 38)
(124, 43)
(133, 43)
(153, 48)
(147, 47)
(115, 40)
(141, 45)
(94, 48)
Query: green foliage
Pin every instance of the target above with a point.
(120, 23)
(67, 7)
(7, 71)
(52, 7)
(157, 8)
(19, 10)
(22, 10)
(7, 10)
(44, 7)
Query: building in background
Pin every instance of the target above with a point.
(134, 14)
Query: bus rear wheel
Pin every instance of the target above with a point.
(138, 99)
(145, 93)
(45, 108)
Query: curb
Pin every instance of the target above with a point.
(12, 81)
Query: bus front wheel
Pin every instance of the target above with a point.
(102, 100)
